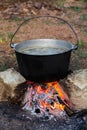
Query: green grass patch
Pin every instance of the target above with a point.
(76, 9)
(2, 38)
(4, 66)
(83, 17)
(81, 43)
(83, 55)
(10, 35)
(16, 19)
(84, 0)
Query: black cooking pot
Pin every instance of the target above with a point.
(43, 59)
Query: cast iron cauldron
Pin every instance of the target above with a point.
(43, 60)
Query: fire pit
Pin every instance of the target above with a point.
(46, 100)
(41, 106)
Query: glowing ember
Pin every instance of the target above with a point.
(45, 99)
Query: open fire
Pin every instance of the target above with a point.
(46, 99)
(41, 102)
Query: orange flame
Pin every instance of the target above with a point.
(58, 106)
(52, 87)
(60, 92)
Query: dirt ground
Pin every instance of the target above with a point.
(12, 14)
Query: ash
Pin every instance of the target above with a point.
(42, 100)
(12, 117)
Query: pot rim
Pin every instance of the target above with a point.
(31, 43)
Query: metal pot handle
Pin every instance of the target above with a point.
(12, 45)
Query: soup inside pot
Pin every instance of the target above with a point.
(43, 51)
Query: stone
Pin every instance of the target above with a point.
(76, 85)
(79, 78)
(9, 80)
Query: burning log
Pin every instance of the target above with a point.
(68, 110)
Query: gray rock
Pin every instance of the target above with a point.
(9, 80)
(76, 85)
